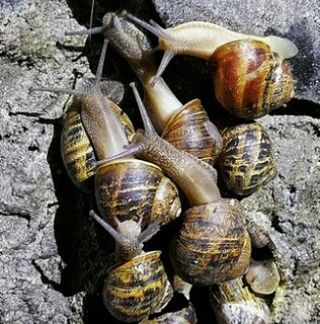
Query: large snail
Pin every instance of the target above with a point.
(125, 189)
(250, 75)
(187, 126)
(246, 161)
(213, 244)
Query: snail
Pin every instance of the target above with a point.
(263, 277)
(187, 126)
(137, 286)
(232, 302)
(246, 161)
(125, 189)
(213, 244)
(250, 75)
(186, 315)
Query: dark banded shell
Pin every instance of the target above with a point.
(187, 131)
(130, 189)
(249, 79)
(246, 161)
(137, 288)
(210, 243)
(77, 152)
(232, 302)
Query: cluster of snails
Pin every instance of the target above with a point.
(135, 197)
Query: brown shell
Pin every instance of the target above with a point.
(130, 189)
(186, 315)
(249, 79)
(77, 152)
(137, 288)
(187, 132)
(210, 243)
(232, 302)
(246, 161)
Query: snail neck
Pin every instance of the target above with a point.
(102, 125)
(197, 179)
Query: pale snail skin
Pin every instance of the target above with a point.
(186, 126)
(232, 303)
(218, 216)
(118, 185)
(201, 39)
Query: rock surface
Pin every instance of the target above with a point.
(51, 253)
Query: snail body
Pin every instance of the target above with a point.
(187, 126)
(246, 161)
(198, 181)
(250, 75)
(137, 288)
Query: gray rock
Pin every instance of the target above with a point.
(50, 252)
(297, 20)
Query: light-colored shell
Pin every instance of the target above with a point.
(187, 131)
(246, 161)
(232, 303)
(186, 315)
(134, 189)
(137, 288)
(211, 243)
(76, 149)
(263, 277)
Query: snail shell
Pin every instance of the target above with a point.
(263, 277)
(186, 130)
(137, 288)
(246, 161)
(249, 79)
(77, 151)
(135, 189)
(232, 303)
(186, 315)
(211, 243)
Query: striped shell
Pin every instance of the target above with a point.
(130, 189)
(77, 152)
(137, 288)
(211, 243)
(249, 79)
(186, 131)
(232, 303)
(246, 161)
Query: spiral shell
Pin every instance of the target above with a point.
(210, 243)
(249, 79)
(77, 152)
(186, 315)
(186, 131)
(232, 303)
(246, 161)
(137, 288)
(134, 189)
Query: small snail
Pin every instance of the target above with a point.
(186, 315)
(187, 127)
(232, 302)
(263, 277)
(126, 189)
(137, 288)
(250, 76)
(246, 160)
(213, 245)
